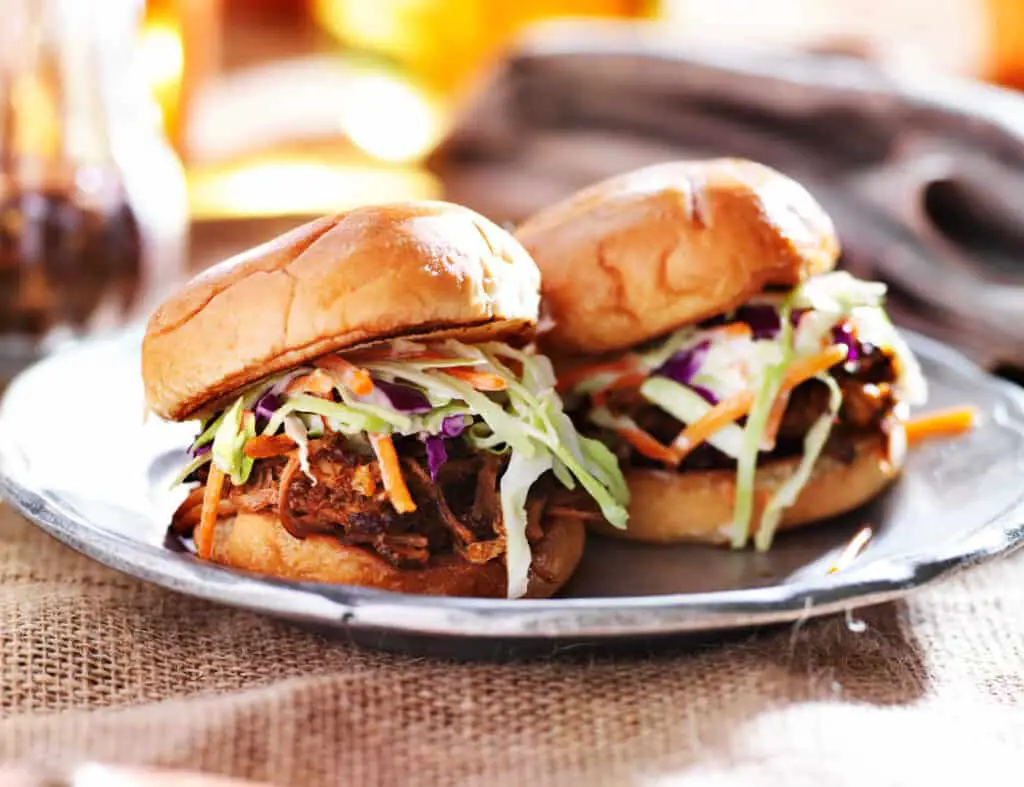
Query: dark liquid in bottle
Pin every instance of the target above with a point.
(62, 258)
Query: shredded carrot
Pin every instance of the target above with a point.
(801, 371)
(646, 444)
(725, 412)
(805, 368)
(203, 534)
(942, 423)
(391, 473)
(482, 381)
(355, 378)
(266, 446)
(573, 377)
(632, 380)
(774, 422)
(317, 382)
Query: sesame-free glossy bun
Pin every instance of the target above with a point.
(634, 257)
(697, 506)
(259, 543)
(373, 273)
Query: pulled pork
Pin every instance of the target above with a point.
(868, 399)
(460, 512)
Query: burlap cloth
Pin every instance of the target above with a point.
(97, 665)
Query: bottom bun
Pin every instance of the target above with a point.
(259, 543)
(671, 507)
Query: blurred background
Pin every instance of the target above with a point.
(142, 140)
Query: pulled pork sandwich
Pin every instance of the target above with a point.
(367, 413)
(701, 333)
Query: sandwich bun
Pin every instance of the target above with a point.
(259, 543)
(370, 274)
(697, 506)
(642, 254)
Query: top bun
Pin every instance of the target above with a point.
(373, 273)
(641, 254)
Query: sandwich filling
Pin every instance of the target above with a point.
(790, 374)
(409, 450)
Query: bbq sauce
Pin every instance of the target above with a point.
(93, 219)
(68, 259)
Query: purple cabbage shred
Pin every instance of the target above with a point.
(404, 398)
(763, 320)
(453, 425)
(843, 334)
(265, 408)
(437, 454)
(684, 365)
(706, 394)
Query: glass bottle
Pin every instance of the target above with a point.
(93, 206)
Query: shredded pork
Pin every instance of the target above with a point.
(868, 399)
(458, 513)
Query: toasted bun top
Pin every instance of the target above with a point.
(369, 274)
(639, 255)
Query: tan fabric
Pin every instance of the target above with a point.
(96, 665)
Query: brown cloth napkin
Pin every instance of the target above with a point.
(922, 174)
(96, 665)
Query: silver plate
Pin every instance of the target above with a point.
(77, 458)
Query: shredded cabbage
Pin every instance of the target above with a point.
(190, 468)
(296, 430)
(480, 436)
(563, 474)
(757, 419)
(582, 457)
(229, 441)
(236, 428)
(248, 432)
(344, 418)
(401, 422)
(814, 441)
(686, 405)
(209, 432)
(535, 400)
(606, 468)
(314, 425)
(520, 474)
(837, 292)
